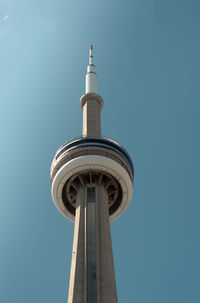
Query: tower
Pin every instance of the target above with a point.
(92, 179)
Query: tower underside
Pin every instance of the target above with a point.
(92, 269)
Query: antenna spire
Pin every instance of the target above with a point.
(91, 77)
(91, 55)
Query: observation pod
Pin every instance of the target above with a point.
(92, 160)
(91, 184)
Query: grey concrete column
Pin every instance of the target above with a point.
(91, 104)
(77, 275)
(92, 277)
(92, 119)
(107, 291)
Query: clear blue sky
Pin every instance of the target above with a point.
(147, 57)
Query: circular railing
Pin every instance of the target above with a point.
(91, 142)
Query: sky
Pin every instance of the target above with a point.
(147, 58)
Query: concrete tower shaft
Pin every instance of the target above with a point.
(92, 276)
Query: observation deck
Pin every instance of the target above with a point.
(89, 161)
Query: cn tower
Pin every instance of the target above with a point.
(91, 184)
